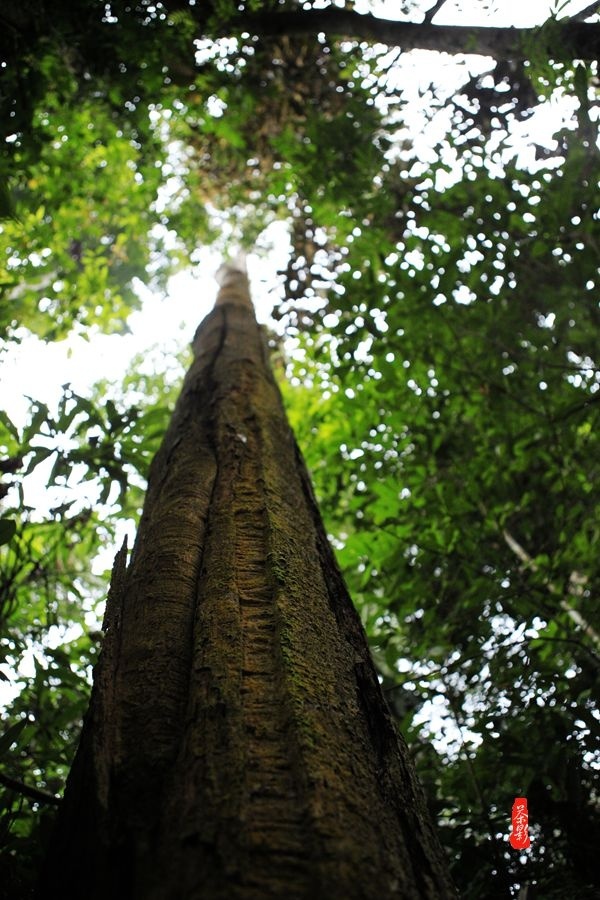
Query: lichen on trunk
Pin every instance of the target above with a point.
(237, 745)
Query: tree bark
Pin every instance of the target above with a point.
(237, 745)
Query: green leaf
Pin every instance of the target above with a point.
(9, 425)
(581, 83)
(40, 415)
(12, 736)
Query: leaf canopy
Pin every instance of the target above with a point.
(441, 319)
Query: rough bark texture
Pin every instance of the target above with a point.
(237, 743)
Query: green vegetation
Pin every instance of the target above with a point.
(442, 301)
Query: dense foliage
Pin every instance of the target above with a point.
(441, 310)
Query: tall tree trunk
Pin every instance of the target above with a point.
(237, 743)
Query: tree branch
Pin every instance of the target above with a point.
(576, 40)
(33, 793)
(586, 13)
(429, 15)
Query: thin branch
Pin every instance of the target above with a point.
(429, 15)
(576, 40)
(501, 866)
(575, 588)
(27, 791)
(487, 655)
(586, 13)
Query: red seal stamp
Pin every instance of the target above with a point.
(519, 836)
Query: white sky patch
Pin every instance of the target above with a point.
(517, 13)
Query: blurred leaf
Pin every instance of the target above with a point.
(7, 530)
(11, 736)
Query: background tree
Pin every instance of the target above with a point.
(444, 297)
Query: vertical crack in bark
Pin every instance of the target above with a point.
(277, 837)
(204, 389)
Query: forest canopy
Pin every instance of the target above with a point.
(435, 327)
